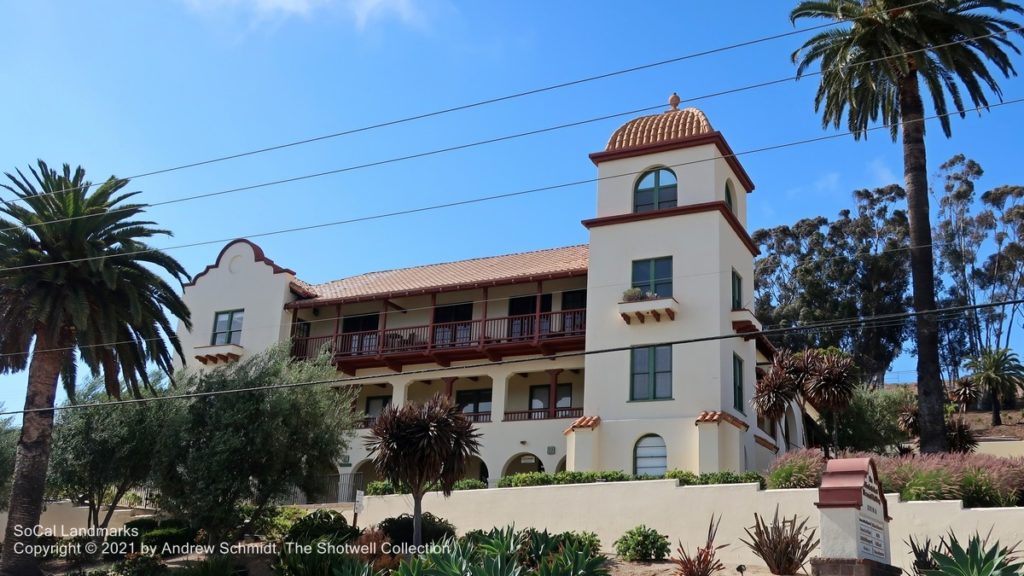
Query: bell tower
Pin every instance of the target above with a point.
(670, 260)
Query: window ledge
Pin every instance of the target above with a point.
(641, 310)
(650, 400)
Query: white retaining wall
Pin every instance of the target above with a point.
(683, 513)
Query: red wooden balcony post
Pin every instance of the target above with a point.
(335, 348)
(430, 329)
(536, 313)
(553, 391)
(383, 326)
(483, 320)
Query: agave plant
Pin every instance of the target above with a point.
(574, 560)
(783, 545)
(704, 562)
(979, 558)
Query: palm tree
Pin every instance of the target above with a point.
(75, 279)
(999, 372)
(873, 67)
(420, 446)
(965, 392)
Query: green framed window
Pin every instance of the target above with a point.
(728, 196)
(737, 291)
(737, 384)
(651, 373)
(650, 456)
(227, 327)
(655, 190)
(654, 275)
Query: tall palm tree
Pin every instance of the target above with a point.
(872, 68)
(1000, 373)
(75, 284)
(420, 446)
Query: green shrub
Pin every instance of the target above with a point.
(175, 523)
(581, 539)
(139, 565)
(212, 566)
(275, 523)
(526, 479)
(143, 525)
(642, 544)
(800, 469)
(398, 529)
(936, 484)
(167, 536)
(380, 488)
(470, 484)
(322, 523)
(685, 477)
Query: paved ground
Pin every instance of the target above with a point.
(619, 568)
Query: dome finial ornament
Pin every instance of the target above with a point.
(674, 101)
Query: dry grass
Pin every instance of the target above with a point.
(981, 423)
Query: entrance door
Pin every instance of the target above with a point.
(359, 333)
(522, 313)
(453, 325)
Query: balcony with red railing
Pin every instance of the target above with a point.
(542, 414)
(492, 338)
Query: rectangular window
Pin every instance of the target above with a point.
(474, 401)
(737, 291)
(651, 373)
(540, 399)
(654, 276)
(737, 384)
(375, 405)
(227, 327)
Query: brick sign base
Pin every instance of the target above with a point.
(851, 567)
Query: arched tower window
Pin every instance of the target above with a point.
(728, 196)
(655, 190)
(650, 457)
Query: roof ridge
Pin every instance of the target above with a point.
(476, 259)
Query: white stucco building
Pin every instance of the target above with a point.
(669, 259)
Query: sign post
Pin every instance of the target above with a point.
(357, 508)
(854, 521)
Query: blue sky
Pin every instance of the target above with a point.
(128, 87)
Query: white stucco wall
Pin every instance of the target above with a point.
(683, 513)
(237, 281)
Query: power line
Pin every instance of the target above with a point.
(469, 145)
(513, 96)
(584, 353)
(481, 199)
(276, 327)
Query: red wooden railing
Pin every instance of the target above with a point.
(542, 414)
(477, 416)
(448, 336)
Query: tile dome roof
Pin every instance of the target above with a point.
(655, 129)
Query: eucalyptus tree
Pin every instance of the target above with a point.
(873, 65)
(77, 282)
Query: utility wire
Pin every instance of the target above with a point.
(332, 319)
(513, 96)
(845, 323)
(481, 199)
(469, 145)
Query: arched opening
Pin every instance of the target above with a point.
(522, 463)
(560, 467)
(476, 469)
(656, 189)
(650, 456)
(789, 430)
(729, 201)
(323, 487)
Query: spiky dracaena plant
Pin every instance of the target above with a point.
(830, 384)
(779, 387)
(704, 562)
(875, 64)
(78, 281)
(783, 545)
(422, 446)
(965, 392)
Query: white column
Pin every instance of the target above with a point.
(499, 392)
(400, 391)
